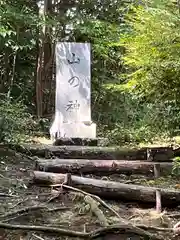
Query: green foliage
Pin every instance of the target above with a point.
(15, 122)
(125, 111)
(124, 117)
(135, 64)
(152, 51)
(176, 166)
(146, 103)
(18, 35)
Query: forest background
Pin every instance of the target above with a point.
(135, 66)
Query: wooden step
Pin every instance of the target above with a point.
(108, 189)
(101, 167)
(161, 154)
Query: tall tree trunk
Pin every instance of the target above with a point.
(40, 66)
(178, 4)
(36, 9)
(38, 82)
(48, 57)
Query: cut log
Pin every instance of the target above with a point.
(100, 167)
(89, 152)
(110, 189)
(160, 153)
(177, 152)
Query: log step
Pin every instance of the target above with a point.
(110, 189)
(100, 167)
(160, 154)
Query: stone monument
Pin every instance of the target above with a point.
(73, 92)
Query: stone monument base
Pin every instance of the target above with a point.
(78, 130)
(80, 142)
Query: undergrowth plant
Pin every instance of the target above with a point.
(15, 122)
(176, 166)
(126, 118)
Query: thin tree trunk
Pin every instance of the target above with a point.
(13, 74)
(13, 68)
(38, 83)
(5, 71)
(37, 58)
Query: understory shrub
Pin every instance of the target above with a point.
(126, 118)
(15, 122)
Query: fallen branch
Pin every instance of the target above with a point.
(58, 209)
(23, 210)
(54, 196)
(100, 216)
(20, 202)
(118, 228)
(98, 199)
(176, 228)
(174, 215)
(67, 180)
(27, 210)
(7, 195)
(38, 237)
(2, 176)
(157, 229)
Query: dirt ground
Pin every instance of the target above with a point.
(69, 210)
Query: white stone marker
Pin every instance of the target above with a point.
(73, 92)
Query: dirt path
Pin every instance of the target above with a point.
(68, 211)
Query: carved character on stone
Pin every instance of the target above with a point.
(74, 81)
(74, 59)
(72, 106)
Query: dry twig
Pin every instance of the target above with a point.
(7, 195)
(58, 209)
(26, 210)
(126, 223)
(38, 237)
(23, 210)
(173, 215)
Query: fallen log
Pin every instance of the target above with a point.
(100, 167)
(88, 152)
(110, 189)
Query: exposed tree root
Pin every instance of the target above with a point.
(30, 209)
(98, 199)
(23, 210)
(118, 228)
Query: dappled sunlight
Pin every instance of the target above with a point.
(42, 140)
